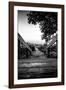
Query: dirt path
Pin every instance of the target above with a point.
(37, 67)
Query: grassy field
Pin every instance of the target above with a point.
(37, 67)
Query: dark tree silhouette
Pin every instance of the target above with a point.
(47, 22)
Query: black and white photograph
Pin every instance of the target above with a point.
(37, 44)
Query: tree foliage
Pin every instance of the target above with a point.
(47, 22)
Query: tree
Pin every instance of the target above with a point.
(47, 22)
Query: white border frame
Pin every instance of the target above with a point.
(45, 80)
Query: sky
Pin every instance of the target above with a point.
(29, 32)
